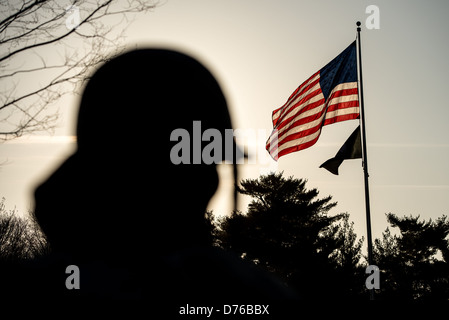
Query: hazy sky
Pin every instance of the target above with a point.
(260, 51)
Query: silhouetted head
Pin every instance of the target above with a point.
(121, 188)
(121, 209)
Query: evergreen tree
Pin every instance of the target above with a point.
(289, 231)
(414, 263)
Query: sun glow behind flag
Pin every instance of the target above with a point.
(328, 96)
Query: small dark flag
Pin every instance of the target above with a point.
(351, 149)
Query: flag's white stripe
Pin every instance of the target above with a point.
(290, 109)
(286, 131)
(343, 86)
(306, 126)
(342, 112)
(301, 93)
(305, 84)
(300, 128)
(304, 114)
(303, 127)
(312, 124)
(300, 107)
(294, 99)
(340, 99)
(298, 141)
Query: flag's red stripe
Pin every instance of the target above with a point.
(301, 122)
(313, 105)
(343, 105)
(286, 137)
(299, 103)
(343, 92)
(297, 108)
(300, 90)
(345, 117)
(306, 88)
(304, 133)
(298, 147)
(288, 109)
(275, 120)
(300, 134)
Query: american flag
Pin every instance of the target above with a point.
(328, 96)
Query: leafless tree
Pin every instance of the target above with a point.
(48, 47)
(20, 236)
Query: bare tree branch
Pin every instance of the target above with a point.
(48, 47)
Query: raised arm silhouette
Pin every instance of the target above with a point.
(121, 211)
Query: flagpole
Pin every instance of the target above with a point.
(365, 158)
